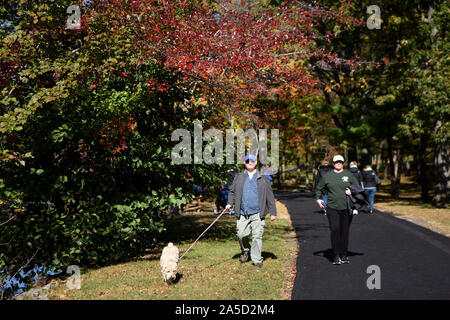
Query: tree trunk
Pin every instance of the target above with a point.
(314, 162)
(306, 164)
(365, 157)
(299, 175)
(279, 178)
(379, 155)
(408, 167)
(397, 174)
(441, 169)
(398, 171)
(422, 168)
(352, 154)
(306, 177)
(394, 161)
(441, 156)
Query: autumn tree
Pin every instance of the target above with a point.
(380, 104)
(88, 107)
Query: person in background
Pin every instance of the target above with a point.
(231, 173)
(267, 172)
(222, 196)
(370, 181)
(323, 169)
(336, 183)
(354, 169)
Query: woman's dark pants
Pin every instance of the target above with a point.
(339, 221)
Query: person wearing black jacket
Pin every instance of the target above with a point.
(324, 168)
(354, 169)
(370, 181)
(231, 173)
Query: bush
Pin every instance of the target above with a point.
(98, 178)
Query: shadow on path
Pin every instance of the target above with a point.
(329, 255)
(413, 261)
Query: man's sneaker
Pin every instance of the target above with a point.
(355, 212)
(337, 261)
(371, 211)
(345, 259)
(259, 265)
(244, 257)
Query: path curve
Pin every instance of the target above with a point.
(413, 262)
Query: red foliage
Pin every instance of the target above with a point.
(234, 51)
(226, 51)
(113, 134)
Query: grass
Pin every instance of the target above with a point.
(410, 207)
(211, 270)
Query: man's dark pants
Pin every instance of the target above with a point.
(339, 221)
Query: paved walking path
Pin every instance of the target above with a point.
(414, 262)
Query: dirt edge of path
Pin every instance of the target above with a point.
(290, 266)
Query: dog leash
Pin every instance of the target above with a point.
(202, 234)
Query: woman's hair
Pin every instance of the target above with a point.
(353, 164)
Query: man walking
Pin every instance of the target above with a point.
(252, 197)
(336, 183)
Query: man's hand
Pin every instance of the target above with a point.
(272, 218)
(321, 203)
(228, 207)
(348, 192)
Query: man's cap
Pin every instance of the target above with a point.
(338, 158)
(250, 156)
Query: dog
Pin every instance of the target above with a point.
(169, 263)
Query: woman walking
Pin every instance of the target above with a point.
(336, 183)
(354, 169)
(370, 181)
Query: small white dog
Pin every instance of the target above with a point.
(169, 263)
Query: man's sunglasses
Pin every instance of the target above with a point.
(339, 161)
(250, 161)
